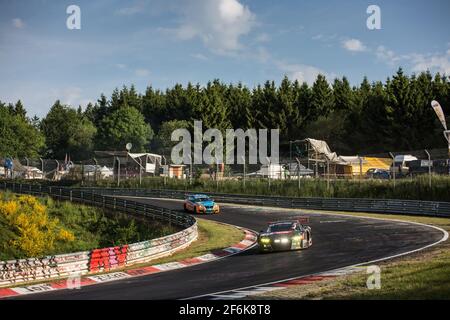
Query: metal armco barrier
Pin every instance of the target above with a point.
(97, 260)
(392, 206)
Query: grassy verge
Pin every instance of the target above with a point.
(423, 275)
(212, 236)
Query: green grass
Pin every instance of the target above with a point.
(212, 236)
(423, 275)
(413, 189)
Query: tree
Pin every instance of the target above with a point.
(163, 141)
(264, 102)
(68, 132)
(179, 104)
(302, 103)
(239, 100)
(154, 107)
(97, 112)
(19, 138)
(322, 96)
(288, 114)
(19, 110)
(342, 95)
(213, 110)
(124, 125)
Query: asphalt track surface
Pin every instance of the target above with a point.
(337, 242)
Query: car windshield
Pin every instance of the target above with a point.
(201, 199)
(280, 227)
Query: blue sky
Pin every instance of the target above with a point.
(160, 43)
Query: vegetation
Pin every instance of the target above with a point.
(67, 131)
(366, 118)
(31, 227)
(212, 236)
(19, 135)
(413, 189)
(423, 275)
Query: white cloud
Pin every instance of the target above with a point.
(388, 56)
(18, 23)
(302, 72)
(354, 45)
(142, 72)
(263, 37)
(262, 55)
(199, 56)
(121, 66)
(137, 7)
(219, 24)
(71, 96)
(433, 62)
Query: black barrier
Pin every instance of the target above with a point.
(96, 197)
(410, 207)
(407, 207)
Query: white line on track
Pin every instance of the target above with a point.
(444, 238)
(224, 293)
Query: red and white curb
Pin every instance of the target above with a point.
(241, 293)
(248, 242)
(251, 291)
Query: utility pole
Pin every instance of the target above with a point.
(28, 167)
(429, 167)
(298, 172)
(167, 169)
(290, 151)
(118, 171)
(42, 168)
(217, 173)
(95, 171)
(243, 159)
(328, 174)
(140, 172)
(393, 166)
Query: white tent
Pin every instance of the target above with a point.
(321, 147)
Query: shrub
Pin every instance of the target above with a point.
(35, 232)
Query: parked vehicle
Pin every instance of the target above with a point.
(374, 173)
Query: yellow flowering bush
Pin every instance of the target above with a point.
(36, 231)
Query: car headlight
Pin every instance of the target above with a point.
(216, 207)
(265, 240)
(284, 240)
(201, 207)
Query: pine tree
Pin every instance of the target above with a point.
(322, 97)
(343, 95)
(239, 100)
(19, 110)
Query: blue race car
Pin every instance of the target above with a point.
(200, 203)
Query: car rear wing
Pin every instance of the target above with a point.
(301, 220)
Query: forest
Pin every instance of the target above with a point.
(371, 117)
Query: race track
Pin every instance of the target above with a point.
(337, 242)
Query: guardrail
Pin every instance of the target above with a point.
(97, 260)
(392, 206)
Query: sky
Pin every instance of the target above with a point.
(161, 43)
